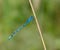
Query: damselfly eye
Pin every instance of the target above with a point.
(10, 37)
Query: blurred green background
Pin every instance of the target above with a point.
(13, 13)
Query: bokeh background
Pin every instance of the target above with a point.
(13, 13)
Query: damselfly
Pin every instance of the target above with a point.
(21, 27)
